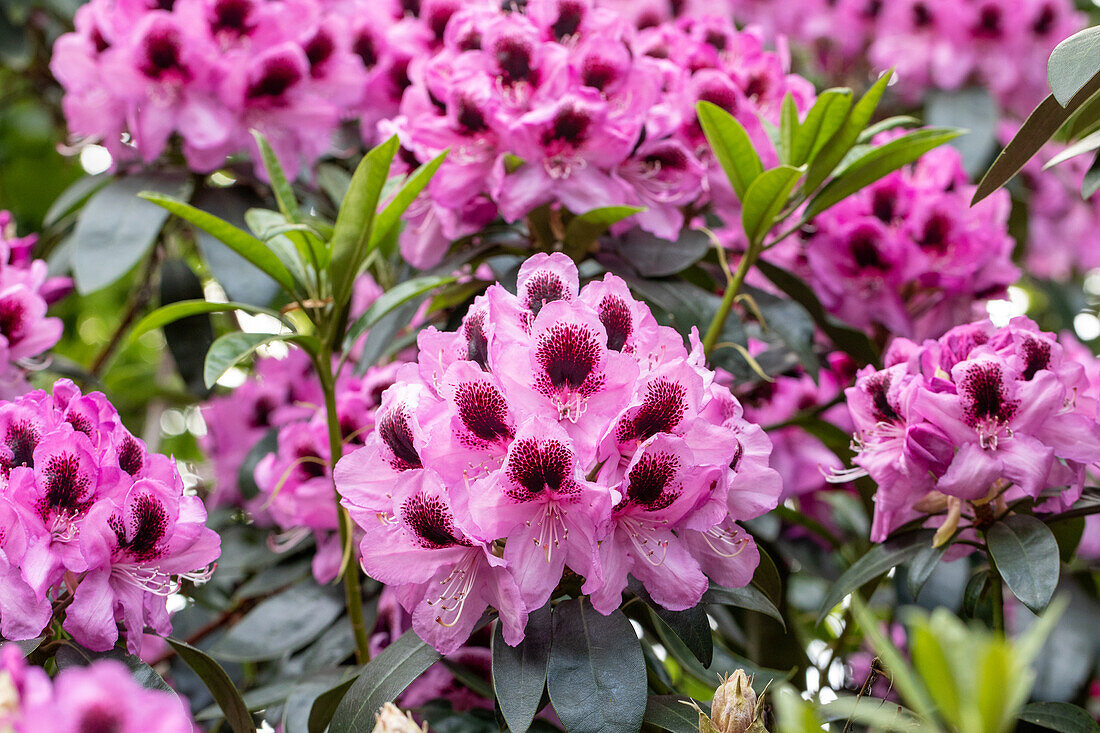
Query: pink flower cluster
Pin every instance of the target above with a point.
(1060, 224)
(103, 696)
(569, 105)
(907, 254)
(136, 72)
(983, 414)
(1001, 45)
(26, 291)
(559, 431)
(92, 525)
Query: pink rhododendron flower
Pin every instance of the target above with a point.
(103, 696)
(908, 255)
(26, 291)
(91, 516)
(558, 431)
(982, 415)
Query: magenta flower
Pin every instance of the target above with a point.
(88, 511)
(983, 414)
(558, 431)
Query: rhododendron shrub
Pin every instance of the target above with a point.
(560, 427)
(546, 365)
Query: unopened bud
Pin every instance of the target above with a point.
(390, 719)
(733, 708)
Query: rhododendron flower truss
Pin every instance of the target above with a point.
(558, 432)
(978, 419)
(101, 697)
(94, 524)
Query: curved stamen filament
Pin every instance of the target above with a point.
(725, 543)
(456, 589)
(647, 546)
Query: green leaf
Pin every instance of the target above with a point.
(932, 664)
(822, 121)
(842, 141)
(389, 217)
(651, 256)
(1026, 555)
(1085, 145)
(1073, 63)
(116, 228)
(669, 712)
(1068, 534)
(1039, 127)
(184, 308)
(788, 128)
(910, 688)
(921, 567)
(334, 181)
(764, 199)
(691, 625)
(849, 340)
(750, 598)
(596, 672)
(239, 241)
(973, 109)
(351, 236)
(393, 298)
(584, 229)
(279, 625)
(72, 197)
(231, 348)
(1091, 182)
(877, 163)
(890, 123)
(382, 679)
(519, 672)
(69, 654)
(1060, 716)
(731, 145)
(324, 707)
(223, 690)
(280, 186)
(877, 562)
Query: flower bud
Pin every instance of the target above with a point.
(390, 719)
(733, 708)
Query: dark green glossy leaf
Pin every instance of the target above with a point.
(1073, 62)
(116, 228)
(1037, 129)
(731, 145)
(72, 655)
(750, 598)
(879, 560)
(652, 256)
(921, 567)
(1026, 556)
(692, 625)
(324, 707)
(519, 672)
(236, 239)
(1068, 534)
(1060, 716)
(190, 336)
(281, 624)
(849, 340)
(382, 679)
(225, 693)
(669, 712)
(596, 672)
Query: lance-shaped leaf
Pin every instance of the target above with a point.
(228, 350)
(223, 690)
(765, 198)
(731, 145)
(519, 672)
(391, 299)
(1026, 555)
(236, 239)
(845, 138)
(184, 308)
(822, 121)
